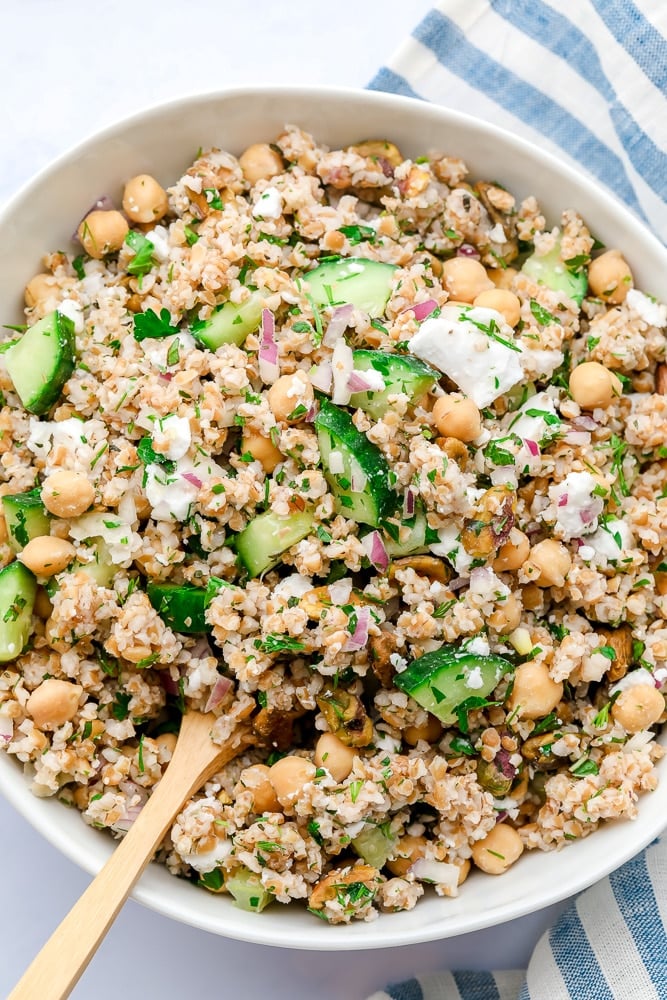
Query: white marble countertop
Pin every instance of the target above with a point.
(67, 69)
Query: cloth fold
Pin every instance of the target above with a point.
(587, 80)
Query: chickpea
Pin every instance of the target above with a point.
(102, 232)
(638, 707)
(333, 754)
(288, 776)
(291, 397)
(260, 162)
(408, 850)
(43, 606)
(549, 562)
(458, 417)
(67, 494)
(534, 692)
(502, 277)
(4, 534)
(465, 278)
(592, 385)
(257, 779)
(431, 731)
(661, 583)
(144, 200)
(503, 301)
(47, 555)
(513, 554)
(53, 703)
(41, 288)
(501, 847)
(507, 615)
(610, 277)
(464, 870)
(262, 449)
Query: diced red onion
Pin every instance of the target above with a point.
(166, 376)
(201, 649)
(577, 437)
(424, 309)
(562, 500)
(359, 637)
(221, 687)
(586, 515)
(375, 550)
(194, 480)
(501, 816)
(386, 165)
(312, 413)
(322, 376)
(439, 872)
(457, 583)
(578, 542)
(467, 250)
(342, 362)
(532, 446)
(357, 383)
(358, 479)
(339, 322)
(409, 503)
(268, 349)
(169, 684)
(504, 764)
(6, 729)
(584, 422)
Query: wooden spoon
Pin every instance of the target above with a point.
(55, 971)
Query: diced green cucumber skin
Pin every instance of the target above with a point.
(263, 541)
(411, 543)
(401, 374)
(374, 846)
(365, 284)
(248, 892)
(18, 587)
(550, 270)
(182, 606)
(336, 432)
(231, 323)
(41, 362)
(26, 518)
(437, 680)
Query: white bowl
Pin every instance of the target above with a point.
(163, 142)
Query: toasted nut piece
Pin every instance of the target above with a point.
(53, 703)
(381, 648)
(346, 716)
(499, 205)
(661, 380)
(493, 521)
(454, 449)
(378, 149)
(316, 601)
(620, 640)
(274, 727)
(491, 777)
(329, 887)
(537, 750)
(428, 566)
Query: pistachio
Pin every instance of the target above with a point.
(537, 750)
(345, 716)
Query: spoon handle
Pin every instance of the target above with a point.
(55, 971)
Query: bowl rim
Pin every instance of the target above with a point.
(149, 890)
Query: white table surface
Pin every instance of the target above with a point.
(68, 68)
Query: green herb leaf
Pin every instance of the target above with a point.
(542, 315)
(149, 326)
(276, 643)
(142, 262)
(358, 234)
(79, 269)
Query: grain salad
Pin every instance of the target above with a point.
(369, 454)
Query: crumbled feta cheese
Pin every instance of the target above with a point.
(497, 234)
(449, 547)
(480, 646)
(372, 378)
(398, 662)
(474, 678)
(456, 343)
(653, 313)
(73, 311)
(293, 585)
(172, 436)
(611, 540)
(576, 507)
(122, 543)
(536, 420)
(269, 205)
(159, 237)
(170, 496)
(157, 350)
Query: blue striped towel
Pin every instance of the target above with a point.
(587, 80)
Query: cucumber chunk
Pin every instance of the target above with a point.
(552, 272)
(230, 323)
(374, 845)
(443, 680)
(183, 606)
(363, 283)
(411, 539)
(401, 373)
(42, 361)
(17, 597)
(261, 544)
(361, 488)
(101, 569)
(26, 518)
(248, 892)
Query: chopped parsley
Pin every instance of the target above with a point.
(78, 267)
(274, 642)
(143, 261)
(358, 234)
(583, 767)
(542, 315)
(149, 326)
